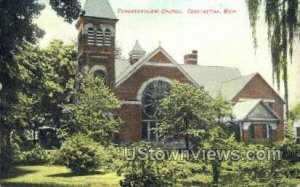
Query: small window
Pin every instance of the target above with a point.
(264, 131)
(259, 131)
(99, 37)
(252, 132)
(107, 41)
(90, 36)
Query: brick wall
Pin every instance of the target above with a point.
(131, 129)
(128, 91)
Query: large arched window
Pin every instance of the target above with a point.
(151, 97)
(90, 36)
(107, 38)
(99, 37)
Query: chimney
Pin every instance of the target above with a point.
(191, 58)
(136, 53)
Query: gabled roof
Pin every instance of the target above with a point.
(133, 68)
(211, 77)
(226, 81)
(254, 110)
(98, 9)
(231, 88)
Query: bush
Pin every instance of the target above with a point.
(144, 171)
(81, 154)
(36, 156)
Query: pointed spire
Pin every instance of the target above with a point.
(136, 53)
(98, 9)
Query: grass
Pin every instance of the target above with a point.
(58, 176)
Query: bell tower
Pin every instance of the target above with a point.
(96, 40)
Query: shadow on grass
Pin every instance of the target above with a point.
(70, 174)
(194, 183)
(31, 185)
(15, 172)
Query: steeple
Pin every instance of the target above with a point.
(136, 53)
(98, 9)
(96, 40)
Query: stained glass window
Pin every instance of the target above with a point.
(151, 98)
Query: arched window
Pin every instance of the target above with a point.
(107, 38)
(151, 97)
(90, 36)
(101, 74)
(99, 37)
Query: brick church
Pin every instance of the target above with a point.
(141, 81)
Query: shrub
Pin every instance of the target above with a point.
(36, 156)
(81, 154)
(143, 170)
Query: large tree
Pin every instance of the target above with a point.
(189, 113)
(16, 27)
(93, 113)
(281, 17)
(46, 78)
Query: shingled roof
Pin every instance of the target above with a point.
(227, 81)
(254, 109)
(211, 77)
(231, 88)
(98, 9)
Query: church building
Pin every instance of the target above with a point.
(143, 79)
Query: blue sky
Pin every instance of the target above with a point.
(221, 39)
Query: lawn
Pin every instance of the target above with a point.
(58, 176)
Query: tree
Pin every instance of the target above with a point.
(189, 112)
(219, 140)
(295, 112)
(92, 114)
(17, 27)
(46, 81)
(281, 17)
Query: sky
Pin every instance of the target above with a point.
(220, 39)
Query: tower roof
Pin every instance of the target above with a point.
(137, 48)
(98, 9)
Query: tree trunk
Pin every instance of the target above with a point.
(216, 172)
(187, 146)
(286, 91)
(285, 64)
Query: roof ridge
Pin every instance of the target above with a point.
(243, 76)
(231, 67)
(99, 9)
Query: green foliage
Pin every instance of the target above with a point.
(81, 154)
(295, 112)
(46, 79)
(17, 27)
(36, 156)
(68, 9)
(282, 20)
(189, 112)
(92, 115)
(143, 171)
(219, 139)
(288, 146)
